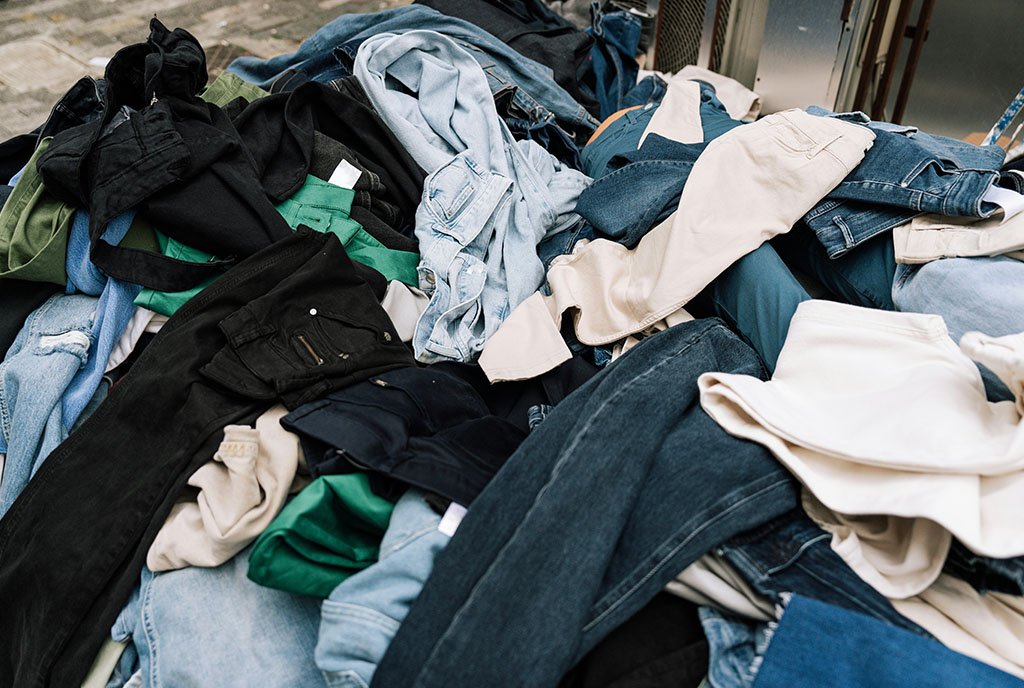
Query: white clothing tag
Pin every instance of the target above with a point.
(1011, 202)
(345, 175)
(451, 519)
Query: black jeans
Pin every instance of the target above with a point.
(291, 322)
(661, 646)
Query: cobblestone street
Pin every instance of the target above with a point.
(46, 46)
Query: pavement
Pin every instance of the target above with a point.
(47, 45)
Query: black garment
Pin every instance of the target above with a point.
(291, 323)
(1017, 165)
(420, 426)
(283, 125)
(18, 298)
(535, 31)
(661, 646)
(513, 400)
(161, 148)
(985, 574)
(387, 235)
(5, 193)
(15, 153)
(370, 192)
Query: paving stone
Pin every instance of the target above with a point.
(46, 45)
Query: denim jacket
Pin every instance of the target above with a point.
(906, 173)
(488, 200)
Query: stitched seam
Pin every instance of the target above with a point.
(654, 569)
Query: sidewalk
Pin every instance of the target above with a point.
(46, 45)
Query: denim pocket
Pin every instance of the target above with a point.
(449, 190)
(341, 335)
(930, 175)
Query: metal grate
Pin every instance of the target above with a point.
(722, 12)
(680, 25)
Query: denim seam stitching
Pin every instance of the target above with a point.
(654, 569)
(771, 571)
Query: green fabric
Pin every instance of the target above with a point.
(227, 87)
(141, 235)
(168, 302)
(325, 207)
(328, 532)
(34, 229)
(320, 206)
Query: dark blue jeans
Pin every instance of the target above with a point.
(793, 555)
(862, 277)
(623, 485)
(613, 57)
(817, 644)
(985, 573)
(905, 173)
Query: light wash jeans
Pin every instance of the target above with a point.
(115, 308)
(982, 294)
(215, 627)
(735, 648)
(363, 614)
(46, 355)
(488, 200)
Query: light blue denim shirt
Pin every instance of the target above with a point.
(488, 200)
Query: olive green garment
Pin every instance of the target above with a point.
(328, 532)
(227, 87)
(141, 235)
(34, 229)
(319, 205)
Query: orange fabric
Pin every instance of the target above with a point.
(611, 118)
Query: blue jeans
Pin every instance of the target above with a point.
(793, 555)
(735, 646)
(621, 139)
(114, 310)
(324, 55)
(983, 294)
(757, 296)
(863, 277)
(905, 173)
(613, 56)
(51, 348)
(618, 137)
(603, 504)
(362, 615)
(214, 627)
(817, 644)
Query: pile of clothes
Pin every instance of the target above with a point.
(454, 350)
